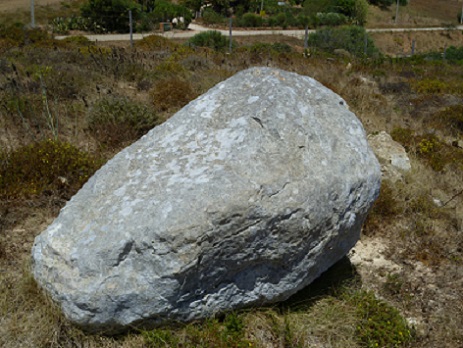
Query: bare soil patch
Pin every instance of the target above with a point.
(14, 5)
(400, 44)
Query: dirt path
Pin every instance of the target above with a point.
(194, 29)
(11, 5)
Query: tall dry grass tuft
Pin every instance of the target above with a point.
(29, 319)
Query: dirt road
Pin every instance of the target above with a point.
(194, 29)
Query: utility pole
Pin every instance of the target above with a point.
(131, 28)
(396, 12)
(230, 39)
(32, 14)
(461, 16)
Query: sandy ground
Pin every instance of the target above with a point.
(11, 5)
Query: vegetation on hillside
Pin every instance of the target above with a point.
(67, 106)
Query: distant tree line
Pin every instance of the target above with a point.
(112, 15)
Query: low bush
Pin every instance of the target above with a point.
(276, 47)
(166, 11)
(454, 53)
(403, 136)
(437, 86)
(62, 25)
(331, 19)
(210, 17)
(116, 120)
(429, 148)
(452, 118)
(210, 333)
(155, 43)
(172, 93)
(19, 35)
(353, 39)
(45, 168)
(77, 40)
(110, 15)
(250, 20)
(212, 39)
(380, 325)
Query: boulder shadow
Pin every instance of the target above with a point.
(339, 276)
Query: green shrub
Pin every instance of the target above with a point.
(353, 39)
(250, 20)
(331, 19)
(166, 11)
(212, 39)
(454, 53)
(210, 17)
(356, 10)
(116, 120)
(160, 338)
(276, 47)
(452, 117)
(209, 333)
(380, 325)
(19, 35)
(403, 136)
(78, 40)
(62, 25)
(110, 15)
(430, 86)
(45, 168)
(280, 19)
(428, 147)
(387, 3)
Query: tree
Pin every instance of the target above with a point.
(146, 5)
(387, 3)
(112, 15)
(360, 12)
(194, 5)
(382, 3)
(312, 7)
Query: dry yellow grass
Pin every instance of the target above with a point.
(418, 13)
(399, 44)
(425, 233)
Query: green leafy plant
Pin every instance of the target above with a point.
(110, 15)
(212, 39)
(115, 120)
(158, 338)
(270, 47)
(403, 136)
(353, 39)
(210, 17)
(166, 11)
(251, 20)
(209, 333)
(452, 119)
(379, 324)
(45, 168)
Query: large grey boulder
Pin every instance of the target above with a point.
(243, 197)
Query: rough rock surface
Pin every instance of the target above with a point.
(243, 197)
(391, 155)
